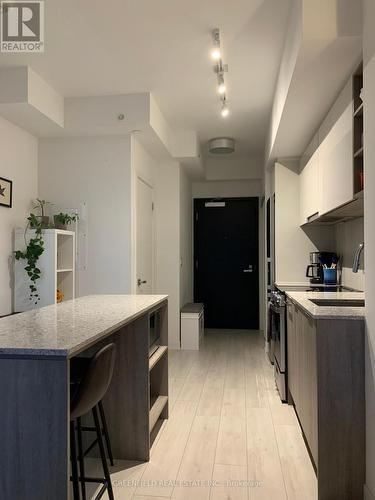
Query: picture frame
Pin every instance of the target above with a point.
(6, 192)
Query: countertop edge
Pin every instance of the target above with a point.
(63, 353)
(322, 315)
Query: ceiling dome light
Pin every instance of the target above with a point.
(221, 145)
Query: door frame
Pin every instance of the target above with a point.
(153, 224)
(259, 253)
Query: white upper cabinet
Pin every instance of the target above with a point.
(309, 190)
(336, 153)
(327, 174)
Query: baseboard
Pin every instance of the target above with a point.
(367, 495)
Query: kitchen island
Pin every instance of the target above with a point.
(35, 352)
(326, 377)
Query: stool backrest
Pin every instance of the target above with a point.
(95, 383)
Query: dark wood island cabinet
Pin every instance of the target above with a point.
(326, 377)
(35, 352)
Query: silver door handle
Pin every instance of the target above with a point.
(140, 282)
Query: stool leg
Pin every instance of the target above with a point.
(106, 434)
(102, 453)
(73, 453)
(81, 459)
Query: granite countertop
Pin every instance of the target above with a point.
(328, 312)
(67, 328)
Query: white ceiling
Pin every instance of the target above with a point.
(162, 46)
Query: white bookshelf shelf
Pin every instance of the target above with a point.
(57, 265)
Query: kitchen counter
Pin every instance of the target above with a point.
(328, 312)
(36, 349)
(72, 326)
(326, 384)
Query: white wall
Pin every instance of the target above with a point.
(19, 161)
(227, 168)
(186, 239)
(348, 236)
(172, 195)
(293, 244)
(226, 189)
(96, 171)
(144, 167)
(369, 143)
(167, 202)
(287, 66)
(102, 172)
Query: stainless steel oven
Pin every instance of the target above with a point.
(278, 318)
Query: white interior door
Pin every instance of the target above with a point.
(145, 238)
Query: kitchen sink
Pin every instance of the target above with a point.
(339, 302)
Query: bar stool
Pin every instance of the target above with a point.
(78, 369)
(88, 394)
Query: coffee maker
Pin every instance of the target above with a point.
(319, 261)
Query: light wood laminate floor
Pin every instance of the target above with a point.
(228, 437)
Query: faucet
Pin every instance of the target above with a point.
(357, 257)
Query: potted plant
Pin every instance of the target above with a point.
(34, 249)
(62, 220)
(40, 205)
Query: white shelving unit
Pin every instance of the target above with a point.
(57, 264)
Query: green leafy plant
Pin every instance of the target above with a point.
(40, 205)
(34, 249)
(65, 219)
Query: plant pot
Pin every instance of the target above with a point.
(58, 224)
(44, 222)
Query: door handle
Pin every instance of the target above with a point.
(140, 282)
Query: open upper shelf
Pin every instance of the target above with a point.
(156, 357)
(65, 251)
(358, 166)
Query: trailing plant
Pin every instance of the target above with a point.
(41, 205)
(34, 248)
(65, 219)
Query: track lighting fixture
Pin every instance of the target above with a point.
(219, 70)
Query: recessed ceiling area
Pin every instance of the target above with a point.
(164, 47)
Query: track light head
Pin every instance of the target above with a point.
(224, 110)
(216, 53)
(221, 85)
(221, 88)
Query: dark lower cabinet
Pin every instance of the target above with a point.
(326, 384)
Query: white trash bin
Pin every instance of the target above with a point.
(192, 326)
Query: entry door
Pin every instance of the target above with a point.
(145, 238)
(226, 255)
